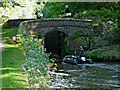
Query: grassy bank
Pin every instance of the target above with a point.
(107, 53)
(12, 57)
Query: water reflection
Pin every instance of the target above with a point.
(98, 75)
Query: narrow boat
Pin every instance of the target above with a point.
(72, 60)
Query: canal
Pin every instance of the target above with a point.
(97, 75)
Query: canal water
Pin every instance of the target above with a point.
(97, 75)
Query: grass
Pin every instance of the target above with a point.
(7, 34)
(12, 57)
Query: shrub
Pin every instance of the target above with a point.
(36, 64)
(110, 53)
(103, 14)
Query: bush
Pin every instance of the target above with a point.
(36, 64)
(103, 14)
(110, 53)
(117, 35)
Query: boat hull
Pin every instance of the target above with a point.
(71, 59)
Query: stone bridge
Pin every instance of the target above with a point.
(69, 27)
(65, 25)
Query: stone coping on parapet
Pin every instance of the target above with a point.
(59, 19)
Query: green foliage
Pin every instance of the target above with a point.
(51, 10)
(77, 34)
(36, 61)
(117, 35)
(94, 54)
(110, 53)
(113, 34)
(54, 9)
(40, 36)
(64, 48)
(103, 14)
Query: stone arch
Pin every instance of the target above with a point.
(53, 41)
(43, 33)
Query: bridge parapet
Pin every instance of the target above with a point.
(66, 25)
